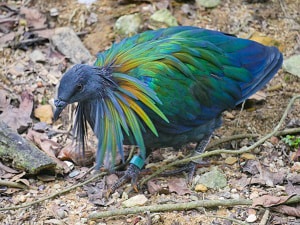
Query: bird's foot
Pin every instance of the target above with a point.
(132, 173)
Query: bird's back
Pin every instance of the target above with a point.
(196, 73)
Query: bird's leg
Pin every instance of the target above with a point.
(190, 168)
(132, 173)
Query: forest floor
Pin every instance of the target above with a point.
(270, 169)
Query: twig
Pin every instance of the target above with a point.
(221, 151)
(12, 184)
(288, 131)
(55, 194)
(171, 207)
(265, 218)
(241, 136)
(181, 206)
(231, 138)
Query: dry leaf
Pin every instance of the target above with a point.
(258, 96)
(288, 210)
(17, 118)
(71, 153)
(231, 160)
(269, 200)
(153, 187)
(48, 146)
(291, 189)
(44, 113)
(248, 156)
(34, 18)
(179, 186)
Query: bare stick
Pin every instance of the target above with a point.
(180, 206)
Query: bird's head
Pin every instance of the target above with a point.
(80, 83)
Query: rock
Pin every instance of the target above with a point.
(69, 44)
(208, 3)
(251, 218)
(213, 179)
(37, 56)
(135, 201)
(61, 213)
(292, 65)
(44, 113)
(54, 12)
(201, 188)
(74, 173)
(128, 25)
(162, 18)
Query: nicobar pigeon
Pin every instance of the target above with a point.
(163, 88)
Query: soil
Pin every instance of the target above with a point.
(276, 20)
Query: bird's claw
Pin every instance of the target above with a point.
(131, 173)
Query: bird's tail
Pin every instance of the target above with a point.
(262, 62)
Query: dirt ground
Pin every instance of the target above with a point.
(274, 21)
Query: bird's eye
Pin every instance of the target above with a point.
(79, 87)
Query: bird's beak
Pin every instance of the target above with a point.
(60, 105)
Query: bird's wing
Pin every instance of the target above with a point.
(195, 73)
(182, 77)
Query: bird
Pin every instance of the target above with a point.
(163, 88)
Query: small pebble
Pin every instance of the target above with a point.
(56, 186)
(251, 218)
(235, 196)
(135, 201)
(54, 12)
(201, 187)
(61, 213)
(74, 173)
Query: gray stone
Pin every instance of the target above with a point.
(162, 18)
(135, 201)
(292, 65)
(208, 3)
(128, 25)
(213, 179)
(37, 56)
(69, 44)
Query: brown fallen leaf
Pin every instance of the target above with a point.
(296, 156)
(288, 210)
(50, 147)
(292, 189)
(153, 187)
(71, 153)
(258, 96)
(269, 200)
(179, 186)
(17, 118)
(44, 113)
(43, 142)
(34, 18)
(262, 175)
